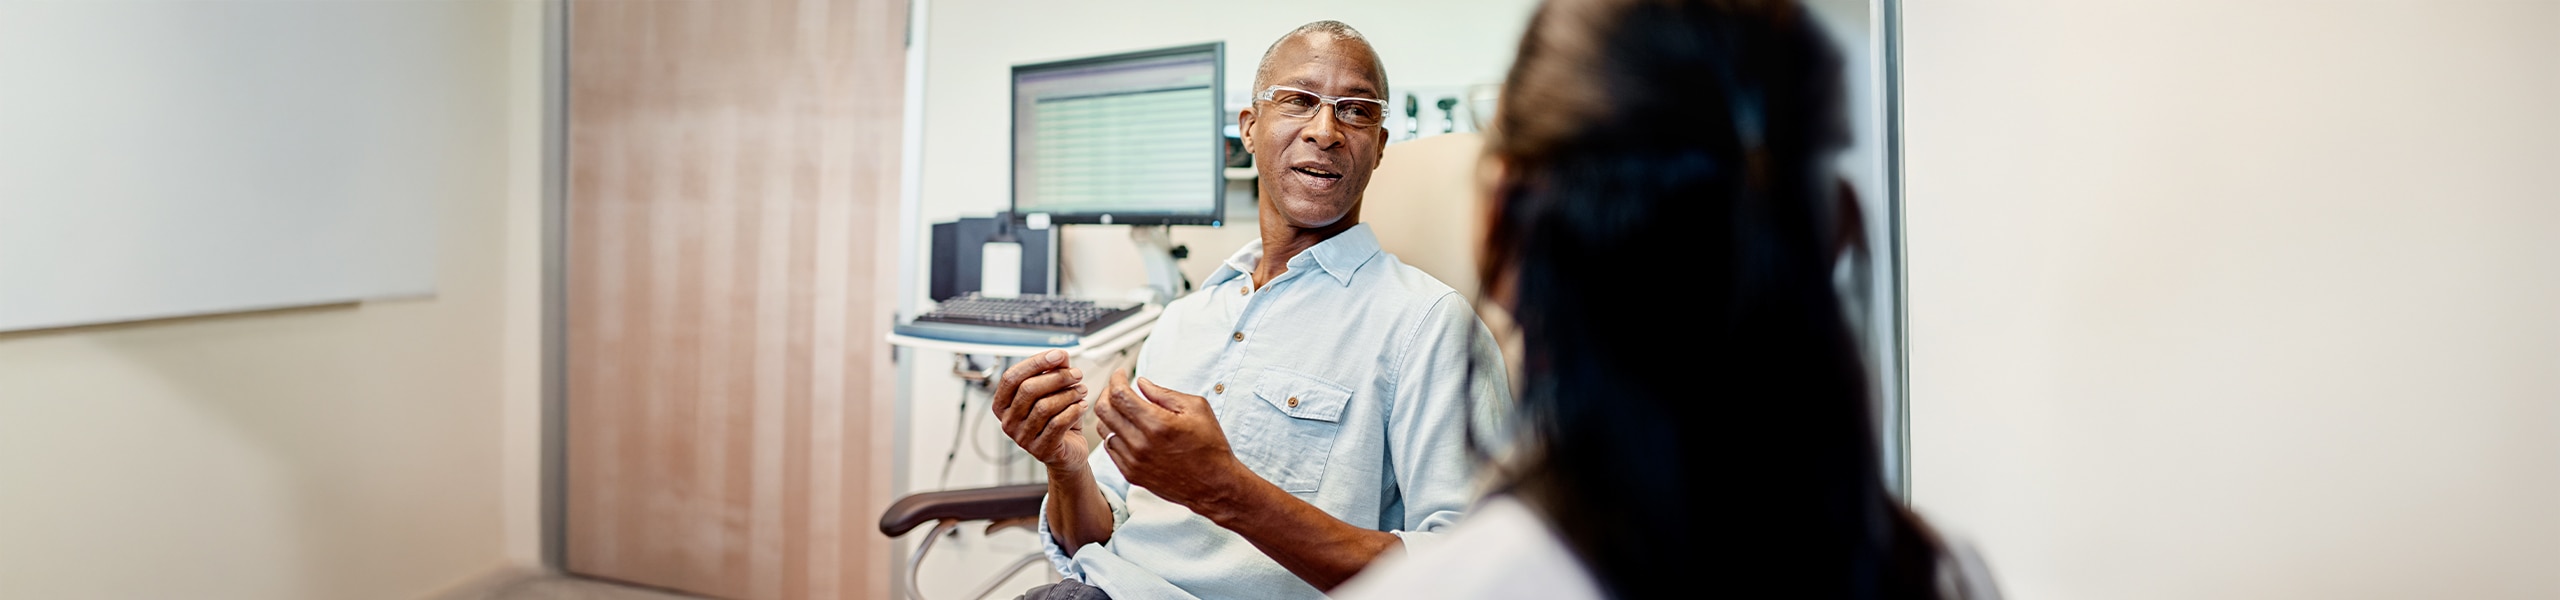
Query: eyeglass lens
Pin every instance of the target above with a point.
(1355, 112)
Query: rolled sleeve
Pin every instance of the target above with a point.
(1451, 374)
(1115, 491)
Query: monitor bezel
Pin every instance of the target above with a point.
(1216, 213)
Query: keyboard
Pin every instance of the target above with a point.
(1026, 320)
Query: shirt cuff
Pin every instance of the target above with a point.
(1058, 559)
(1414, 542)
(1427, 532)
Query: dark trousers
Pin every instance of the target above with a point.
(1065, 590)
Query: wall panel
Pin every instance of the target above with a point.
(732, 188)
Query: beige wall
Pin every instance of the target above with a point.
(2239, 299)
(340, 452)
(520, 343)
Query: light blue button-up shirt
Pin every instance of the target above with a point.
(1344, 381)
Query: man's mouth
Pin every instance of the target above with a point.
(1316, 172)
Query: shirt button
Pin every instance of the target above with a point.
(1293, 402)
(1220, 389)
(1242, 290)
(1239, 336)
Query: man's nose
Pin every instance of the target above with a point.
(1323, 130)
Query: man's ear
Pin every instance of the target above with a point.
(1382, 144)
(1244, 128)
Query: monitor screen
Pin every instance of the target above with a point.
(1133, 138)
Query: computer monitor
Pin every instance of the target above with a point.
(1132, 139)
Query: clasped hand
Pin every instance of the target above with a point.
(1169, 442)
(1166, 441)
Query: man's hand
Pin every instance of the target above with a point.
(1169, 442)
(1040, 402)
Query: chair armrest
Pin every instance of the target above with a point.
(979, 504)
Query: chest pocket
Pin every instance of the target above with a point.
(1285, 431)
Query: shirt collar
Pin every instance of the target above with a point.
(1341, 257)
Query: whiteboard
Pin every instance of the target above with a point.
(169, 158)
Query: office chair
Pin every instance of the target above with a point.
(1002, 507)
(1435, 223)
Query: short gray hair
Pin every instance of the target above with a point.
(1340, 32)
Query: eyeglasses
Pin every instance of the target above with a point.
(1297, 103)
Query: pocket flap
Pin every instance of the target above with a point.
(1302, 396)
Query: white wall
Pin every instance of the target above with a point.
(165, 158)
(2239, 299)
(361, 451)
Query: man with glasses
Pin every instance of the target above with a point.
(1303, 412)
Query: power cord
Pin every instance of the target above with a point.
(966, 367)
(959, 426)
(1001, 458)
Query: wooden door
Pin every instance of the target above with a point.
(731, 215)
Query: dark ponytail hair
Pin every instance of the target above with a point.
(1693, 409)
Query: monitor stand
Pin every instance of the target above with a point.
(1164, 274)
